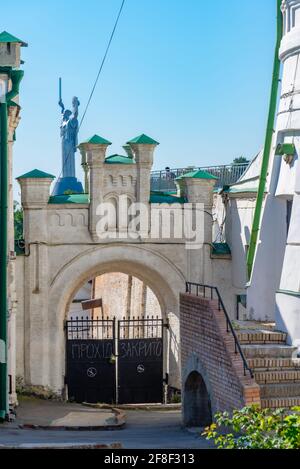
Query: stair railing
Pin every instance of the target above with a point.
(207, 291)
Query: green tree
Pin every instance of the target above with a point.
(18, 220)
(253, 428)
(240, 160)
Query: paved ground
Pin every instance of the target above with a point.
(42, 413)
(144, 429)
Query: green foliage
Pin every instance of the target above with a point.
(253, 428)
(70, 192)
(18, 220)
(175, 399)
(240, 160)
(38, 392)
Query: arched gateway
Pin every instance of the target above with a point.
(137, 261)
(66, 245)
(197, 405)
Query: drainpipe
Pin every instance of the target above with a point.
(267, 148)
(3, 261)
(16, 77)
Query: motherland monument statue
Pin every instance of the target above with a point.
(69, 137)
(69, 128)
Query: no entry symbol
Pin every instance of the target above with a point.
(91, 372)
(140, 369)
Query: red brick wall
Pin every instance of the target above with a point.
(204, 338)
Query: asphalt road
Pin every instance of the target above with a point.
(144, 430)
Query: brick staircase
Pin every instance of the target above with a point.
(274, 363)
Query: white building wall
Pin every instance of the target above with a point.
(274, 260)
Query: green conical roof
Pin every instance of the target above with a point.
(97, 140)
(143, 140)
(36, 174)
(197, 175)
(7, 37)
(119, 159)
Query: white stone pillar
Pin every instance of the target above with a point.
(198, 188)
(143, 149)
(95, 150)
(35, 192)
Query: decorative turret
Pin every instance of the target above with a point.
(35, 188)
(10, 53)
(197, 187)
(95, 149)
(35, 192)
(143, 148)
(93, 153)
(10, 60)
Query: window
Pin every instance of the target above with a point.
(289, 207)
(241, 305)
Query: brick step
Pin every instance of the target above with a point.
(270, 364)
(281, 390)
(262, 377)
(280, 403)
(248, 336)
(268, 351)
(256, 325)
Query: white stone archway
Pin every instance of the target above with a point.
(64, 248)
(164, 278)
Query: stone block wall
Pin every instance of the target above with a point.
(124, 296)
(207, 348)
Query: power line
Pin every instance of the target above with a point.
(103, 62)
(98, 75)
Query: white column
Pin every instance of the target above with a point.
(35, 194)
(13, 121)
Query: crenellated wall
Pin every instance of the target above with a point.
(64, 248)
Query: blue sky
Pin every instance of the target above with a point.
(193, 74)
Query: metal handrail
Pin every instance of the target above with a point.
(226, 174)
(221, 306)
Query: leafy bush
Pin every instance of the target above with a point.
(253, 428)
(39, 392)
(175, 399)
(18, 220)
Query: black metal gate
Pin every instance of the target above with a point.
(98, 372)
(140, 361)
(91, 374)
